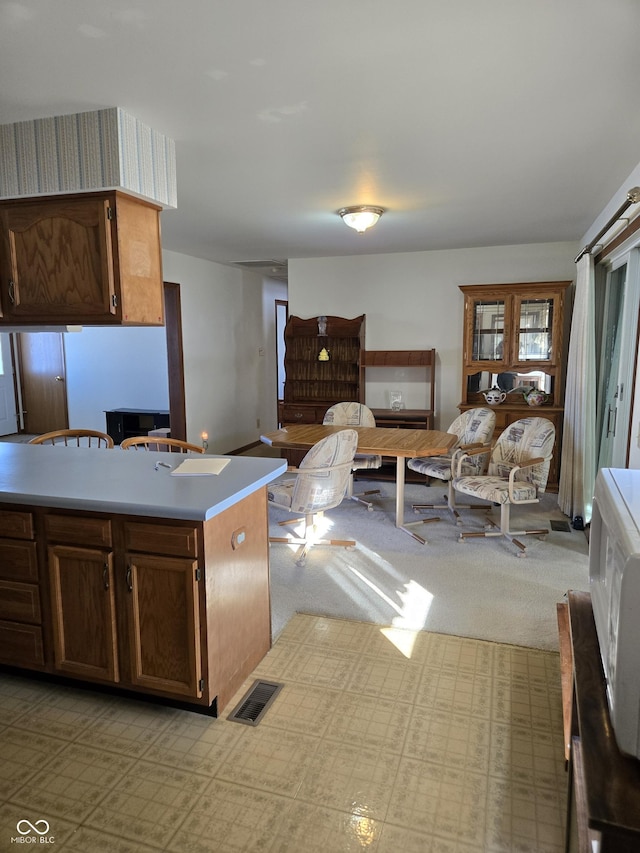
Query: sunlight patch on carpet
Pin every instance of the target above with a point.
(415, 602)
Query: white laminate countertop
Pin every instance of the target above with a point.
(126, 481)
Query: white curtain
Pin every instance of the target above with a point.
(578, 460)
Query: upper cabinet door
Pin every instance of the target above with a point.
(490, 322)
(536, 335)
(85, 259)
(60, 260)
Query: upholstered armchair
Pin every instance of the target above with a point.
(517, 475)
(474, 429)
(320, 483)
(356, 415)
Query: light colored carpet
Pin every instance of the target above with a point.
(478, 588)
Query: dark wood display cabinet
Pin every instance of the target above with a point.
(323, 365)
(515, 338)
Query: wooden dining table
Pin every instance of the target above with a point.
(401, 443)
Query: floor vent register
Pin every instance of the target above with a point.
(254, 704)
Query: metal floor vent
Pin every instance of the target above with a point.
(253, 705)
(564, 526)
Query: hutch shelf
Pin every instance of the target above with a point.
(323, 366)
(515, 338)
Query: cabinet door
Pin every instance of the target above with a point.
(59, 260)
(535, 330)
(164, 624)
(83, 612)
(487, 331)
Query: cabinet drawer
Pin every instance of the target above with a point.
(170, 539)
(20, 602)
(77, 530)
(17, 525)
(21, 645)
(303, 414)
(18, 560)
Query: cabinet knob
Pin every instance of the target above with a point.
(59, 379)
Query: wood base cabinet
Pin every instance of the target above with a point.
(21, 640)
(162, 601)
(175, 609)
(83, 612)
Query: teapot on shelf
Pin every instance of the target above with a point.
(494, 396)
(535, 397)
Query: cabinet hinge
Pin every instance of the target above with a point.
(111, 213)
(114, 300)
(198, 574)
(201, 684)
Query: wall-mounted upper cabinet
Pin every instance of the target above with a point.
(86, 259)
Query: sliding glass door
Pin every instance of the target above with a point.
(616, 333)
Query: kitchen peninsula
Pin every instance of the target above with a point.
(115, 572)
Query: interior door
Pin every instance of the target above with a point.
(42, 380)
(8, 413)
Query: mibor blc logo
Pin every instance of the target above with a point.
(33, 833)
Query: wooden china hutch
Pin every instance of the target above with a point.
(515, 338)
(326, 362)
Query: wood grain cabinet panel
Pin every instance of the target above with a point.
(17, 525)
(21, 639)
(164, 624)
(91, 258)
(83, 612)
(170, 539)
(73, 529)
(21, 645)
(18, 560)
(20, 602)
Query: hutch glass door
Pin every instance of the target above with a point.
(489, 331)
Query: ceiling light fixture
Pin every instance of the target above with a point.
(360, 217)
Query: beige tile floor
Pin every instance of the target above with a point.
(382, 741)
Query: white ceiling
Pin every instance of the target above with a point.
(473, 122)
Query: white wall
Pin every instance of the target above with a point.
(412, 301)
(114, 368)
(227, 315)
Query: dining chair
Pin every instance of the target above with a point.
(517, 475)
(320, 483)
(75, 438)
(473, 428)
(356, 415)
(155, 443)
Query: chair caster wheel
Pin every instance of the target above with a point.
(350, 548)
(370, 508)
(302, 562)
(521, 554)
